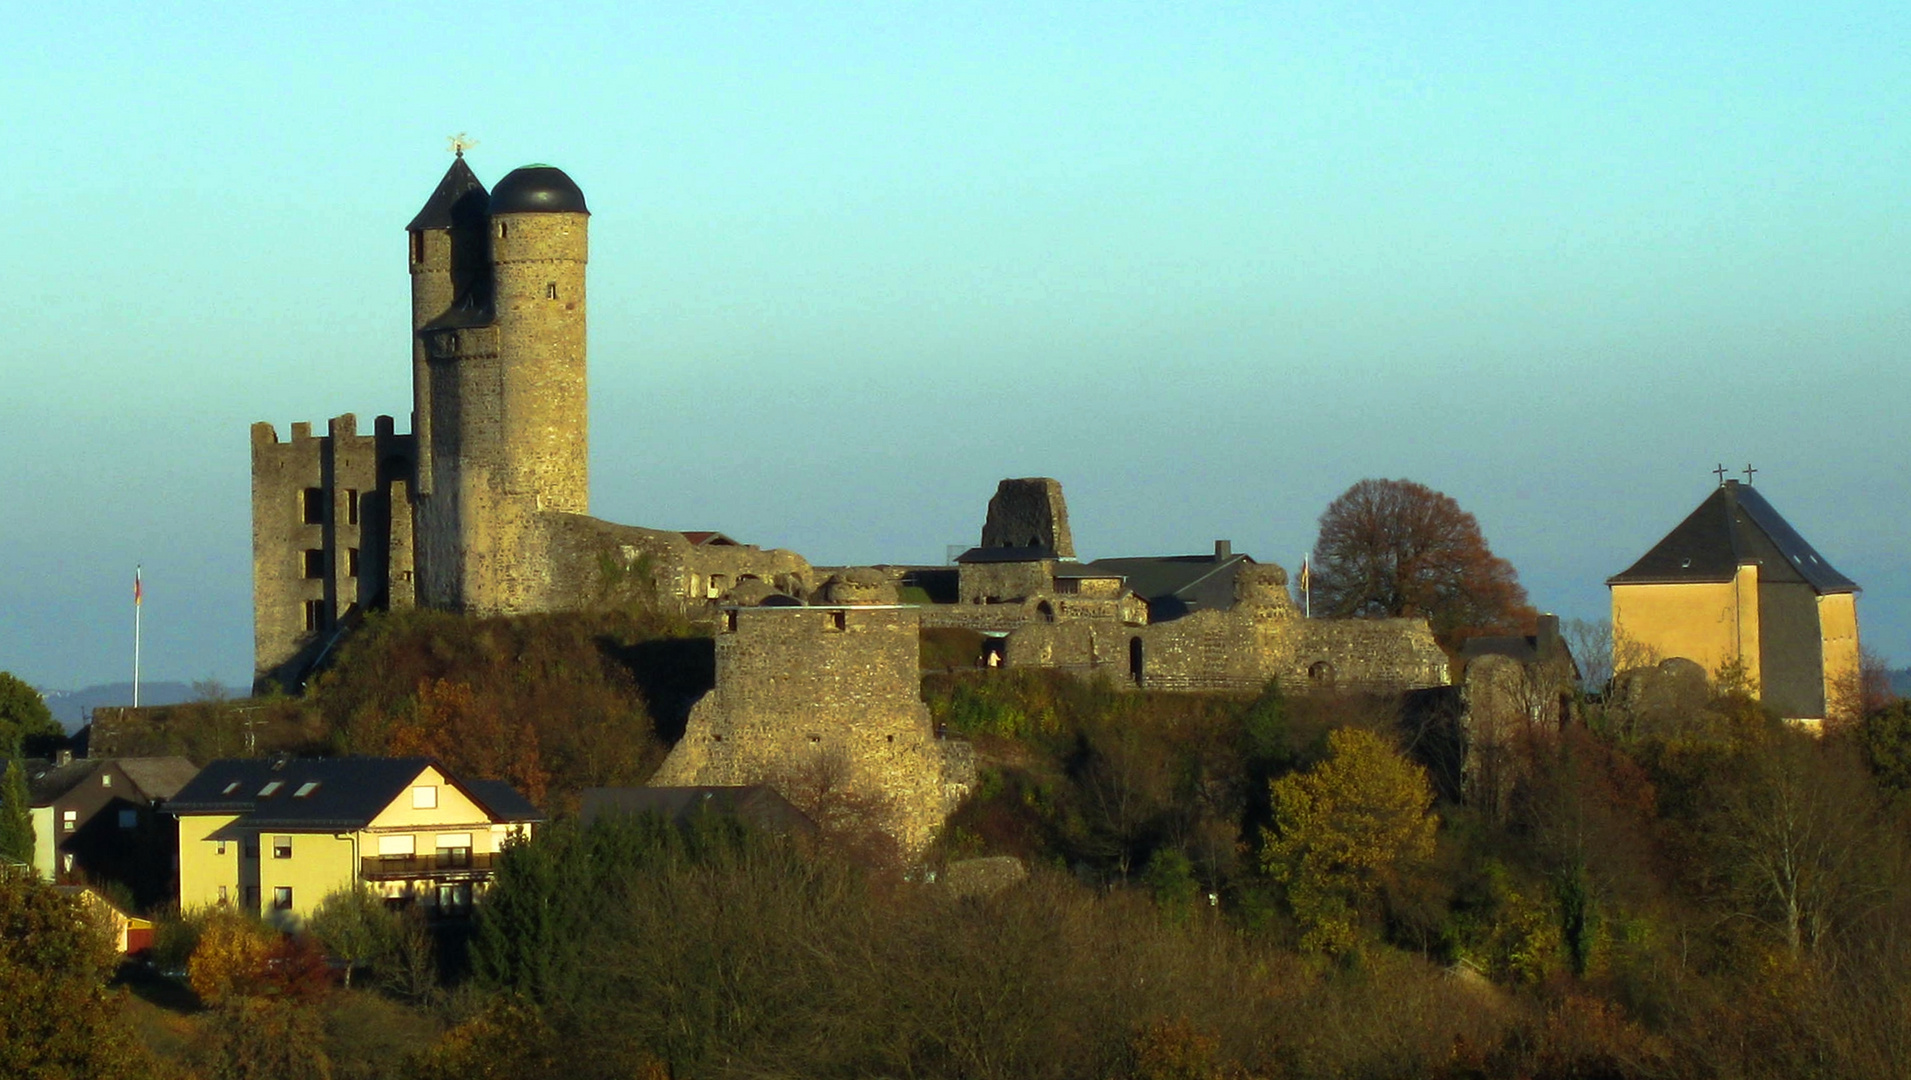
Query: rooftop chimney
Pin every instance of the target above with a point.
(1223, 550)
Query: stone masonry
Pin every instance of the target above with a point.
(825, 702)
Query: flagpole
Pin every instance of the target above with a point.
(138, 606)
(1307, 587)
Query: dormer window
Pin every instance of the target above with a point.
(271, 787)
(306, 789)
(230, 788)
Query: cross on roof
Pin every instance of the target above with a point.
(1748, 472)
(459, 143)
(1721, 473)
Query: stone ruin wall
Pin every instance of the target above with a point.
(596, 564)
(1003, 582)
(363, 535)
(1029, 512)
(1261, 637)
(825, 694)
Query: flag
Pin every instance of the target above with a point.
(139, 591)
(1306, 573)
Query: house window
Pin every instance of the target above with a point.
(454, 898)
(454, 851)
(281, 847)
(315, 614)
(230, 788)
(351, 506)
(351, 562)
(69, 820)
(129, 819)
(424, 797)
(314, 562)
(306, 789)
(282, 898)
(223, 898)
(312, 506)
(252, 898)
(271, 788)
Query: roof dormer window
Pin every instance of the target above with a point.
(306, 789)
(230, 788)
(270, 787)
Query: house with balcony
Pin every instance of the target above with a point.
(275, 836)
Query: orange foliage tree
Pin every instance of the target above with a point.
(1390, 548)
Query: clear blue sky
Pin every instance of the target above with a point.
(1207, 264)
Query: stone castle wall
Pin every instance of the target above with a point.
(814, 696)
(331, 533)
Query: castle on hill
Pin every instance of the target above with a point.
(484, 507)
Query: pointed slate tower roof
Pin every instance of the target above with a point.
(458, 193)
(1733, 526)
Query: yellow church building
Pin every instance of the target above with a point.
(1737, 590)
(276, 836)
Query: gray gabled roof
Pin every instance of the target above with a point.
(153, 778)
(347, 793)
(1732, 527)
(1175, 585)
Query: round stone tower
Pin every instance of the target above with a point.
(539, 245)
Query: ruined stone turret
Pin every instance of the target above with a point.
(1263, 588)
(1029, 513)
(859, 585)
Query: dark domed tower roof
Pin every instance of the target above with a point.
(537, 189)
(459, 195)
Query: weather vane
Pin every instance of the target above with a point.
(459, 143)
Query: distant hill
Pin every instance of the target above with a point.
(1901, 681)
(69, 707)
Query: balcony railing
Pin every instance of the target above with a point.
(425, 866)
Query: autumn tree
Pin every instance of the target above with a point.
(1391, 548)
(1345, 833)
(56, 1018)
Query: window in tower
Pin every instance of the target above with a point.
(550, 290)
(351, 562)
(315, 614)
(503, 230)
(351, 506)
(314, 562)
(417, 247)
(312, 506)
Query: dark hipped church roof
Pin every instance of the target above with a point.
(458, 194)
(1734, 526)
